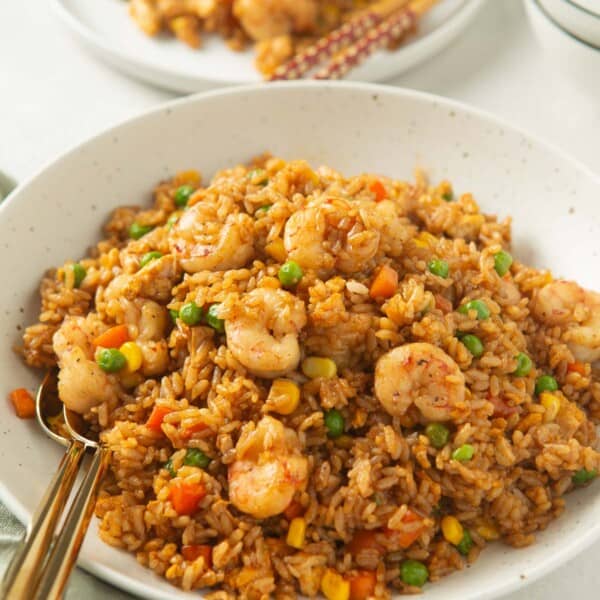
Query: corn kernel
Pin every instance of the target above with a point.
(425, 240)
(488, 531)
(133, 355)
(284, 397)
(552, 405)
(452, 530)
(334, 586)
(276, 250)
(317, 366)
(296, 533)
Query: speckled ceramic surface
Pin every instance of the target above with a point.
(105, 27)
(58, 213)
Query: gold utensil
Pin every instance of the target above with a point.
(23, 571)
(44, 560)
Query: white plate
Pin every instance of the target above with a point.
(105, 27)
(58, 214)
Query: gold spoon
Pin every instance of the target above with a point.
(27, 562)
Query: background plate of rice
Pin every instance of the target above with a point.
(355, 128)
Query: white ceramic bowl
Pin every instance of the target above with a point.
(592, 6)
(574, 19)
(58, 213)
(577, 59)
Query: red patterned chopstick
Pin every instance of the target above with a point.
(390, 30)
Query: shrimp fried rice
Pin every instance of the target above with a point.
(313, 384)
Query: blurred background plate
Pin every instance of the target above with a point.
(105, 27)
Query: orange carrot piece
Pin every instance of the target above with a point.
(379, 190)
(406, 538)
(23, 402)
(385, 283)
(185, 497)
(443, 303)
(114, 337)
(156, 417)
(362, 585)
(193, 551)
(188, 432)
(294, 509)
(364, 540)
(576, 367)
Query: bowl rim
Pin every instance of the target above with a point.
(584, 8)
(134, 586)
(544, 13)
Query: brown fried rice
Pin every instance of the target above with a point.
(321, 476)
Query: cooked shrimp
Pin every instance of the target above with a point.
(568, 304)
(329, 235)
(424, 375)
(262, 331)
(82, 384)
(202, 242)
(147, 321)
(268, 469)
(264, 19)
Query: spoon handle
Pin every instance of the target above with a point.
(26, 564)
(68, 541)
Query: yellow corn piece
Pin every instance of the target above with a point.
(425, 240)
(284, 396)
(296, 533)
(317, 366)
(276, 250)
(133, 355)
(334, 586)
(488, 531)
(552, 405)
(452, 530)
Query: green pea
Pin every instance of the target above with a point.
(439, 267)
(524, 365)
(190, 313)
(583, 476)
(182, 195)
(79, 273)
(414, 572)
(545, 383)
(463, 453)
(258, 177)
(290, 273)
(212, 318)
(149, 257)
(169, 467)
(196, 458)
(262, 211)
(174, 315)
(438, 434)
(334, 421)
(473, 344)
(136, 231)
(479, 306)
(448, 196)
(465, 545)
(502, 262)
(111, 360)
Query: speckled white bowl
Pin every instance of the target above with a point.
(58, 213)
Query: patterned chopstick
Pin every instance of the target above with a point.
(390, 30)
(332, 43)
